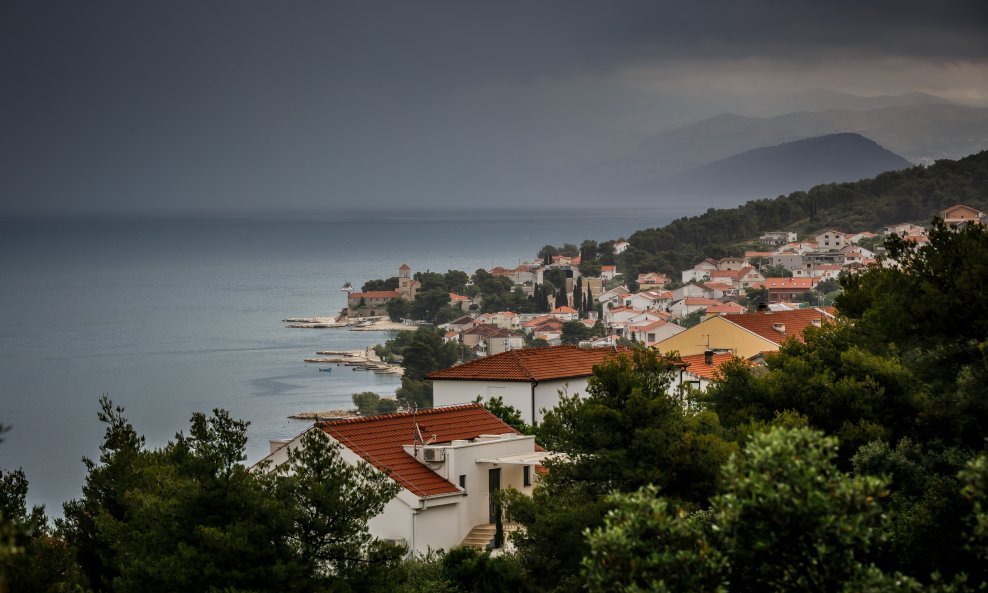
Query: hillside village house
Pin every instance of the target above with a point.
(650, 332)
(788, 290)
(689, 305)
(701, 369)
(746, 335)
(529, 380)
(613, 296)
(448, 462)
(460, 301)
(959, 215)
(652, 280)
(728, 308)
(487, 339)
(831, 240)
(649, 299)
(778, 238)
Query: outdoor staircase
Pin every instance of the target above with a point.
(481, 536)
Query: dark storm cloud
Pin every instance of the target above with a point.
(246, 105)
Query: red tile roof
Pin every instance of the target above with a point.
(458, 297)
(697, 364)
(530, 364)
(538, 321)
(379, 440)
(488, 331)
(725, 308)
(696, 301)
(793, 322)
(374, 294)
(564, 309)
(786, 283)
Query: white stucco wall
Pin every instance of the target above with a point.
(517, 394)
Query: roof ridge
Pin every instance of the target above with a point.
(433, 410)
(521, 363)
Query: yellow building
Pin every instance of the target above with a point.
(745, 335)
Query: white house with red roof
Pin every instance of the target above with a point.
(620, 314)
(651, 332)
(608, 272)
(529, 380)
(565, 313)
(728, 308)
(448, 462)
(613, 296)
(689, 305)
(656, 300)
(701, 369)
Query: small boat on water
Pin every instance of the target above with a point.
(347, 287)
(326, 370)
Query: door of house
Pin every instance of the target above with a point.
(494, 484)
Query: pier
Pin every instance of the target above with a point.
(358, 360)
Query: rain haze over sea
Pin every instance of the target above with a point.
(174, 316)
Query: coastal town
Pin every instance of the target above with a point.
(790, 277)
(441, 450)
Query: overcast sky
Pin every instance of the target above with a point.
(246, 106)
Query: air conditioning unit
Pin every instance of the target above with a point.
(429, 454)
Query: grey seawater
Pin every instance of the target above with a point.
(171, 317)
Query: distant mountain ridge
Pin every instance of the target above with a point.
(824, 100)
(783, 168)
(919, 133)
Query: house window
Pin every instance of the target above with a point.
(463, 481)
(527, 475)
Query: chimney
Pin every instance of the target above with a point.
(708, 356)
(779, 327)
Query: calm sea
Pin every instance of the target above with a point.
(170, 317)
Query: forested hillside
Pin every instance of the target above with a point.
(915, 194)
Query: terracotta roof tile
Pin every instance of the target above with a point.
(791, 323)
(529, 364)
(697, 364)
(488, 331)
(725, 308)
(375, 294)
(696, 301)
(379, 440)
(784, 283)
